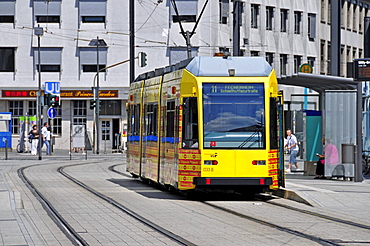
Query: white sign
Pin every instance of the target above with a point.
(5, 117)
(52, 88)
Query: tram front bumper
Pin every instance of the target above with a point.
(216, 181)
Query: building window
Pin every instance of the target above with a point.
(16, 108)
(322, 57)
(51, 59)
(283, 64)
(48, 19)
(7, 11)
(355, 18)
(328, 58)
(361, 19)
(329, 12)
(93, 11)
(311, 61)
(224, 11)
(311, 26)
(284, 20)
(349, 16)
(255, 53)
(110, 107)
(297, 22)
(47, 11)
(88, 59)
(270, 58)
(7, 60)
(323, 11)
(270, 17)
(187, 11)
(297, 63)
(255, 8)
(56, 123)
(178, 54)
(32, 109)
(79, 112)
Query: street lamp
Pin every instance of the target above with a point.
(38, 31)
(98, 43)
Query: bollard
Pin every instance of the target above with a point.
(6, 149)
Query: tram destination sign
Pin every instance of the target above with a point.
(362, 69)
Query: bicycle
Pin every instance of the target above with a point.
(365, 162)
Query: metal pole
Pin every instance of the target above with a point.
(236, 28)
(335, 37)
(188, 46)
(38, 103)
(358, 157)
(97, 109)
(132, 39)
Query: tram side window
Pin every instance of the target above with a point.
(190, 123)
(273, 123)
(170, 131)
(136, 120)
(152, 115)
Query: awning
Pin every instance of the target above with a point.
(319, 83)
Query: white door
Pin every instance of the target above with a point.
(106, 135)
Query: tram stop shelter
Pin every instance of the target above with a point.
(340, 122)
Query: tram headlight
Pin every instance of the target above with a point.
(258, 163)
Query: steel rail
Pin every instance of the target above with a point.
(67, 229)
(131, 213)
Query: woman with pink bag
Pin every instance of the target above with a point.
(329, 158)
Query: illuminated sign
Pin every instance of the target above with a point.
(235, 89)
(362, 69)
(63, 93)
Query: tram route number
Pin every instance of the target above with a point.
(208, 169)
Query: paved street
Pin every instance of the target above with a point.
(23, 221)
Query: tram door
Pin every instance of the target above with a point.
(106, 134)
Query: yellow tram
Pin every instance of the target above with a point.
(207, 122)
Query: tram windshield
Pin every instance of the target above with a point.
(233, 115)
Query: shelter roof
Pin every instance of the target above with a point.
(319, 83)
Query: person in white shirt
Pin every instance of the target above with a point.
(292, 147)
(46, 137)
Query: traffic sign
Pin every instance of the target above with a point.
(306, 68)
(52, 113)
(52, 88)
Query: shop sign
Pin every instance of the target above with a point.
(63, 93)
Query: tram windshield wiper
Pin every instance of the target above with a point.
(257, 133)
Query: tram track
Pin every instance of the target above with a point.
(65, 227)
(68, 230)
(314, 238)
(154, 226)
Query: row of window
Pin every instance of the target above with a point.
(90, 11)
(20, 109)
(51, 59)
(284, 20)
(352, 14)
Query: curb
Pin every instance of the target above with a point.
(290, 195)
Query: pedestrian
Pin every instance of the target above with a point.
(46, 137)
(328, 160)
(34, 135)
(292, 148)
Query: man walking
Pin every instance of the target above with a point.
(46, 137)
(292, 147)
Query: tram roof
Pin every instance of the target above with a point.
(216, 67)
(319, 83)
(219, 66)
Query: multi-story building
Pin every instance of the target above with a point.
(287, 32)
